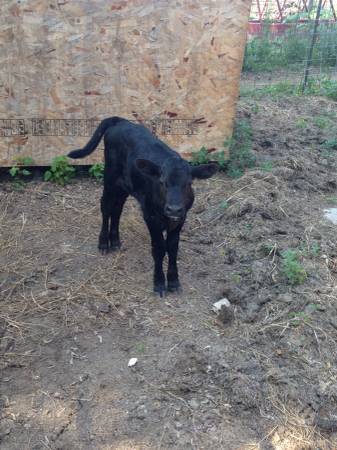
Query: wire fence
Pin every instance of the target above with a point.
(291, 41)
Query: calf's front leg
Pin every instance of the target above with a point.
(158, 253)
(172, 245)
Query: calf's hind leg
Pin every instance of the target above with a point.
(119, 197)
(112, 203)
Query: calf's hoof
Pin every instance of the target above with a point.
(160, 289)
(115, 245)
(173, 286)
(103, 248)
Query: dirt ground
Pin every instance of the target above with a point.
(261, 376)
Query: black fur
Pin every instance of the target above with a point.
(139, 164)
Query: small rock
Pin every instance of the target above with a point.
(193, 403)
(58, 395)
(132, 362)
(286, 298)
(223, 309)
(104, 308)
(219, 304)
(333, 323)
(326, 421)
(141, 412)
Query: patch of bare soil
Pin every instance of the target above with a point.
(262, 377)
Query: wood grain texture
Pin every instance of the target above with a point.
(67, 64)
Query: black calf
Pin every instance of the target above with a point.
(139, 164)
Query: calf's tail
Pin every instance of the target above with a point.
(95, 139)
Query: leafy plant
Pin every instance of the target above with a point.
(97, 171)
(321, 122)
(239, 147)
(224, 205)
(292, 267)
(298, 317)
(19, 170)
(301, 122)
(330, 144)
(312, 250)
(236, 278)
(220, 158)
(329, 88)
(267, 166)
(332, 200)
(269, 248)
(60, 171)
(200, 157)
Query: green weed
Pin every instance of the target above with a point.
(236, 278)
(268, 248)
(140, 347)
(266, 166)
(329, 89)
(301, 122)
(332, 200)
(200, 157)
(311, 251)
(224, 205)
(321, 122)
(19, 170)
(297, 318)
(330, 144)
(239, 149)
(97, 171)
(292, 268)
(60, 171)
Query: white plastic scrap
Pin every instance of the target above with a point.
(219, 304)
(132, 362)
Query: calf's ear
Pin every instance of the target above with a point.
(148, 167)
(204, 171)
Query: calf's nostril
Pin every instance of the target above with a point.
(173, 210)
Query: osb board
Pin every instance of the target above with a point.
(65, 65)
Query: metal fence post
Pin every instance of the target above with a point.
(311, 48)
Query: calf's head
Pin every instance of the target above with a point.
(173, 183)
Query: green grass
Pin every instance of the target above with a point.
(240, 149)
(324, 88)
(275, 91)
(321, 122)
(266, 166)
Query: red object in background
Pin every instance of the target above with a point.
(255, 28)
(279, 28)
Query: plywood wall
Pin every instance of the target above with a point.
(66, 64)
